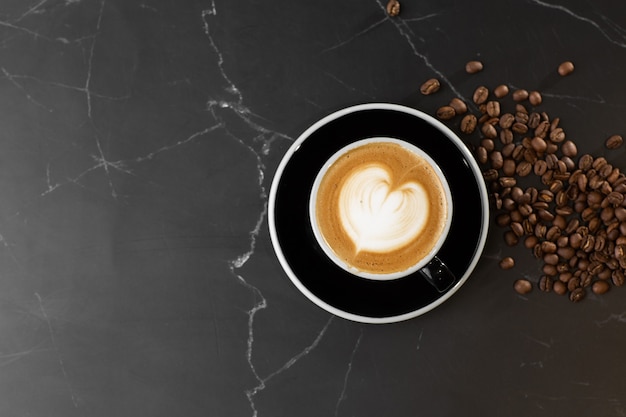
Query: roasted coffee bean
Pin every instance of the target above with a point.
(561, 199)
(522, 286)
(468, 124)
(534, 97)
(553, 233)
(525, 209)
(545, 215)
(509, 167)
(493, 108)
(540, 167)
(588, 243)
(562, 241)
(577, 295)
(566, 252)
(393, 8)
(573, 283)
(569, 148)
(615, 198)
(506, 137)
(620, 213)
(458, 105)
(559, 288)
(490, 175)
(501, 91)
(533, 120)
(600, 287)
(576, 240)
(430, 86)
(524, 168)
(472, 67)
(565, 68)
(507, 181)
(519, 128)
(572, 225)
(607, 214)
(518, 153)
(548, 247)
(599, 162)
(531, 241)
(585, 162)
(489, 131)
(557, 135)
(446, 112)
(549, 270)
(559, 221)
(539, 144)
(605, 274)
(617, 278)
(507, 263)
(521, 117)
(510, 238)
(503, 219)
(540, 230)
(569, 163)
(551, 259)
(542, 129)
(488, 144)
(588, 214)
(546, 283)
(482, 155)
(564, 210)
(520, 95)
(517, 229)
(509, 204)
(506, 120)
(480, 95)
(614, 142)
(565, 276)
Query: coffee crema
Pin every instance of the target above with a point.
(381, 208)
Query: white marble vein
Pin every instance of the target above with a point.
(346, 377)
(619, 42)
(262, 381)
(73, 397)
(405, 31)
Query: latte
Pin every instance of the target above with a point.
(380, 207)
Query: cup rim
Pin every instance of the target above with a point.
(329, 251)
(469, 160)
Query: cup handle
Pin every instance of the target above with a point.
(438, 275)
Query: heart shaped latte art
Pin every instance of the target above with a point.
(378, 218)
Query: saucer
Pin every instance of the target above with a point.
(319, 278)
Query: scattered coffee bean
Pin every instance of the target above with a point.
(600, 287)
(458, 105)
(565, 68)
(468, 124)
(614, 142)
(393, 8)
(507, 263)
(520, 95)
(534, 97)
(523, 286)
(446, 112)
(501, 91)
(577, 295)
(480, 95)
(472, 67)
(430, 87)
(573, 218)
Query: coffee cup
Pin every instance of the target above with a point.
(391, 291)
(380, 208)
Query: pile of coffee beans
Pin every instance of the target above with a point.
(568, 209)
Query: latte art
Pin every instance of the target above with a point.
(378, 216)
(380, 208)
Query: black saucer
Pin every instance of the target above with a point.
(328, 285)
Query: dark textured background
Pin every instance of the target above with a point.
(138, 141)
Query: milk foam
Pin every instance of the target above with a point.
(378, 218)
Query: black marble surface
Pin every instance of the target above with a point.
(138, 140)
